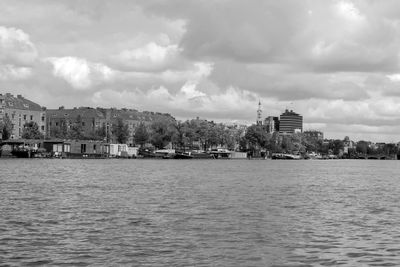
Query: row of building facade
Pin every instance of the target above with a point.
(20, 110)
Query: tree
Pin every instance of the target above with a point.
(120, 131)
(161, 133)
(6, 128)
(337, 146)
(60, 131)
(141, 134)
(390, 149)
(362, 147)
(97, 134)
(178, 136)
(76, 131)
(31, 131)
(257, 137)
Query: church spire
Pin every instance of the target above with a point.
(259, 113)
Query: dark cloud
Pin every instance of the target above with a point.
(336, 61)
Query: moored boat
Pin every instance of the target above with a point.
(183, 155)
(285, 156)
(23, 152)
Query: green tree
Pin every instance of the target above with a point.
(31, 131)
(120, 131)
(141, 135)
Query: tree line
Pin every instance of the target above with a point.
(189, 134)
(257, 139)
(202, 135)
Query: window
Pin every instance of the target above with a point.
(94, 148)
(12, 116)
(25, 117)
(42, 127)
(31, 118)
(67, 148)
(56, 123)
(83, 148)
(83, 123)
(42, 118)
(57, 148)
(19, 122)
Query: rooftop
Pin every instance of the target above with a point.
(289, 113)
(19, 102)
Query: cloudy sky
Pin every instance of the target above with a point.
(335, 62)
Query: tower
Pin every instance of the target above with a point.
(259, 114)
(290, 122)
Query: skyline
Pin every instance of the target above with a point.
(336, 61)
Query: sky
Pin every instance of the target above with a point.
(337, 63)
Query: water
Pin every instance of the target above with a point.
(199, 213)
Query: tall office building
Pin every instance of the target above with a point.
(271, 124)
(290, 122)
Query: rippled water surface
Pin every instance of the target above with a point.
(199, 213)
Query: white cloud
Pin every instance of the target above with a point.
(337, 60)
(349, 11)
(149, 57)
(10, 72)
(196, 72)
(80, 73)
(188, 101)
(16, 47)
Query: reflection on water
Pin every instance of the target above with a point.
(202, 213)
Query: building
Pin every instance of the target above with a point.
(271, 124)
(19, 111)
(314, 135)
(97, 123)
(61, 120)
(290, 122)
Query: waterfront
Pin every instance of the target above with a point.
(199, 213)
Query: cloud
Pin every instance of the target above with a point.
(80, 73)
(188, 100)
(10, 72)
(16, 47)
(336, 62)
(151, 57)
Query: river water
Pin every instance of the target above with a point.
(199, 213)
